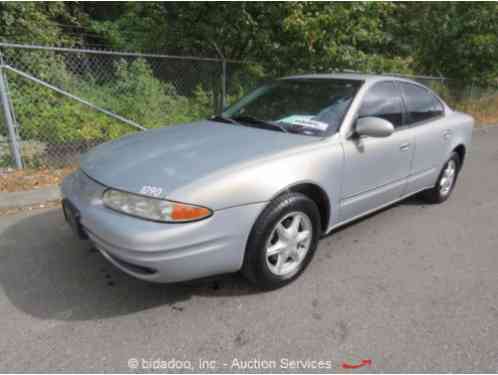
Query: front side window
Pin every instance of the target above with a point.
(421, 105)
(313, 107)
(383, 100)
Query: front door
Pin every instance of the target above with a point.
(376, 169)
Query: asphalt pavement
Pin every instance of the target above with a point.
(411, 288)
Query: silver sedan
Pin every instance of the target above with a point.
(254, 188)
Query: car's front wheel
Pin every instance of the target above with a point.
(282, 241)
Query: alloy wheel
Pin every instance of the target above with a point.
(289, 243)
(447, 178)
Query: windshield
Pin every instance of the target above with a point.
(313, 107)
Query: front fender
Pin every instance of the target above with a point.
(261, 180)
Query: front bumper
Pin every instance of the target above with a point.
(161, 252)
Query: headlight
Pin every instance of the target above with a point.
(153, 208)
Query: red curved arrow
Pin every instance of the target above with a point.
(364, 362)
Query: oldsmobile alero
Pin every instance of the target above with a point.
(254, 188)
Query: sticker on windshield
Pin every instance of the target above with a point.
(306, 121)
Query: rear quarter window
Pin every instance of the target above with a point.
(421, 105)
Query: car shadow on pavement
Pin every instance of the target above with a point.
(48, 273)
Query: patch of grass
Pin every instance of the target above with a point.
(484, 110)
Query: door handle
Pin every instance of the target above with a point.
(404, 147)
(447, 134)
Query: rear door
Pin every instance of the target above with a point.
(376, 169)
(425, 114)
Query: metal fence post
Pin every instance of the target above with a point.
(15, 150)
(223, 84)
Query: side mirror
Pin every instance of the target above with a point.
(374, 127)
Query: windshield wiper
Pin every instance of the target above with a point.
(254, 120)
(225, 119)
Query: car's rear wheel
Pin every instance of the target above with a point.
(446, 181)
(282, 241)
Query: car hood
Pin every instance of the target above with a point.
(169, 158)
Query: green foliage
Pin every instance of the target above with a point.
(35, 22)
(326, 36)
(455, 39)
(283, 37)
(134, 93)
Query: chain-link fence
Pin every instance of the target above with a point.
(63, 101)
(59, 102)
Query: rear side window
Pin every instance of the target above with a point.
(421, 105)
(383, 100)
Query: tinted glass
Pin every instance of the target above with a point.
(421, 105)
(383, 100)
(304, 106)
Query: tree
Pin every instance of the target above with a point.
(284, 37)
(326, 36)
(455, 39)
(38, 22)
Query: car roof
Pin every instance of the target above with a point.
(353, 76)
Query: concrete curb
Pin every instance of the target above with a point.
(21, 199)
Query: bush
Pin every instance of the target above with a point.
(134, 93)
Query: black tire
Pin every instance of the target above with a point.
(434, 194)
(255, 266)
